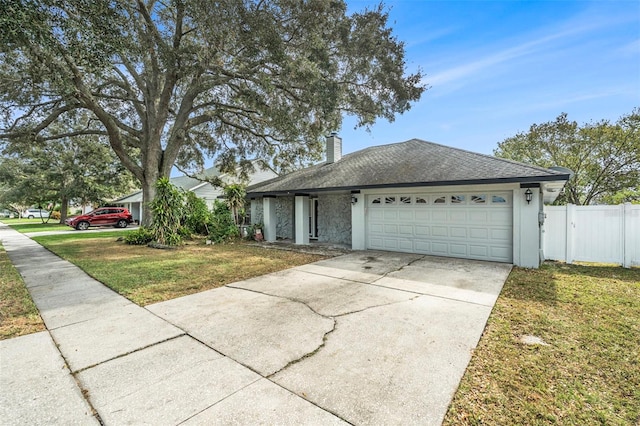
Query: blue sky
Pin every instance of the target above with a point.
(496, 67)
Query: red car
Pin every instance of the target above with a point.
(104, 216)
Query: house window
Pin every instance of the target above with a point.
(375, 200)
(457, 199)
(389, 200)
(405, 200)
(440, 200)
(420, 200)
(498, 199)
(478, 199)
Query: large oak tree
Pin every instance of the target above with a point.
(170, 82)
(604, 156)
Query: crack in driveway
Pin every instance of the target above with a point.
(329, 317)
(398, 269)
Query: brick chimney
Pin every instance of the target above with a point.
(334, 148)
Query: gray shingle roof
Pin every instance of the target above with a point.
(411, 163)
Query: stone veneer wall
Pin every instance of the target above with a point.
(284, 213)
(334, 218)
(259, 216)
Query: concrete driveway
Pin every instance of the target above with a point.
(364, 338)
(371, 337)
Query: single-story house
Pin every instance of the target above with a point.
(208, 192)
(413, 196)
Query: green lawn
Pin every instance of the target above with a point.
(589, 371)
(36, 225)
(146, 275)
(18, 313)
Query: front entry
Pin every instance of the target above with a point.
(313, 218)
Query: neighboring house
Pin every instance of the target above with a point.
(415, 197)
(204, 190)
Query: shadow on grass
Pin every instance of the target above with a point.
(541, 285)
(533, 285)
(598, 271)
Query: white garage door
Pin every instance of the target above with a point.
(475, 225)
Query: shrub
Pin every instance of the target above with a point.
(197, 216)
(139, 237)
(223, 227)
(55, 215)
(234, 196)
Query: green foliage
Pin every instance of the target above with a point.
(629, 195)
(605, 157)
(172, 82)
(223, 227)
(235, 197)
(37, 170)
(139, 237)
(251, 232)
(167, 209)
(197, 216)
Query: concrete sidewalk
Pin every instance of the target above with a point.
(114, 355)
(364, 338)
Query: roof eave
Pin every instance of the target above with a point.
(523, 179)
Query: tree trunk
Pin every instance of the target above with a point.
(64, 209)
(148, 194)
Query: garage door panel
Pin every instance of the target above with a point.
(405, 230)
(439, 215)
(479, 233)
(390, 228)
(458, 249)
(501, 234)
(423, 247)
(422, 214)
(501, 253)
(439, 231)
(390, 243)
(376, 242)
(458, 232)
(457, 216)
(422, 231)
(376, 214)
(405, 245)
(479, 251)
(500, 217)
(479, 217)
(439, 248)
(405, 214)
(376, 228)
(390, 215)
(468, 230)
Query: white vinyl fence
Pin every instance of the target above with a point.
(607, 234)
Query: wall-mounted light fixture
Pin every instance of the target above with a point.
(354, 199)
(528, 195)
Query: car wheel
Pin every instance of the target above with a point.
(82, 226)
(122, 223)
(30, 216)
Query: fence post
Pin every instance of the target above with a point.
(627, 235)
(569, 233)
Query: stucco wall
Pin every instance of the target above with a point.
(284, 213)
(334, 218)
